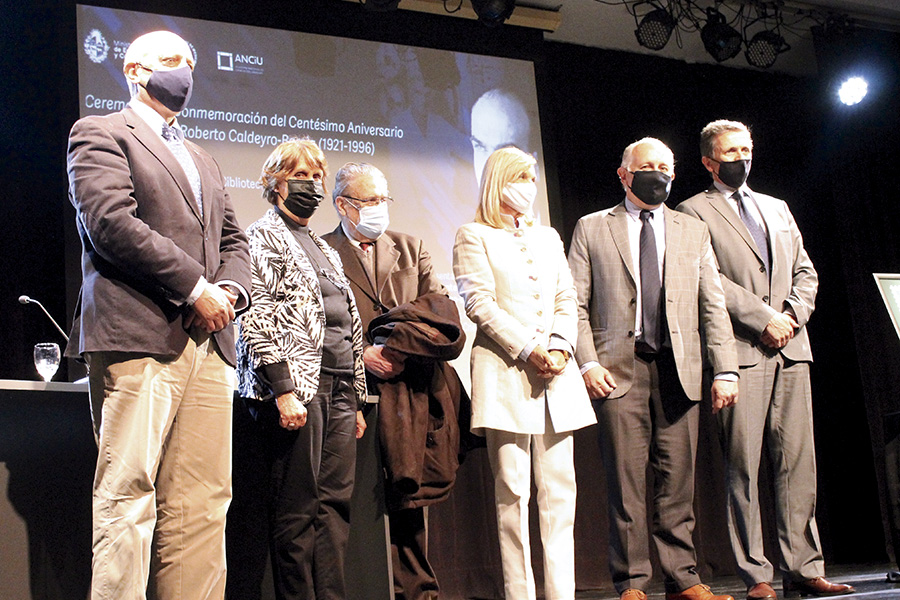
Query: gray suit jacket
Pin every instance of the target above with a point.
(605, 280)
(145, 245)
(752, 301)
(403, 272)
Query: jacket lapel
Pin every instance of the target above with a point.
(386, 258)
(157, 147)
(721, 204)
(618, 229)
(674, 236)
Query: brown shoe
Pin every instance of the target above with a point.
(696, 592)
(633, 594)
(818, 586)
(761, 591)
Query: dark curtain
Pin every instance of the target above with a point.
(862, 149)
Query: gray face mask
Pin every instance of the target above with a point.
(172, 88)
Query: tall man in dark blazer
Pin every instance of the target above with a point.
(385, 269)
(770, 288)
(651, 311)
(164, 265)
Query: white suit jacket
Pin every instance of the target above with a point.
(516, 286)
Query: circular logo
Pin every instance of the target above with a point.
(95, 46)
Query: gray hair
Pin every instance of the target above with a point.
(713, 130)
(629, 150)
(347, 175)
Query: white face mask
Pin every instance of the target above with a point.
(520, 196)
(373, 221)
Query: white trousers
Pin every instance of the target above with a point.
(512, 457)
(163, 480)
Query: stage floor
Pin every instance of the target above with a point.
(870, 582)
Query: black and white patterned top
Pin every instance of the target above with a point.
(286, 318)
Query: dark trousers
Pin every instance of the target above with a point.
(310, 481)
(413, 576)
(653, 421)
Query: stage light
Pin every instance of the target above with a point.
(853, 90)
(764, 48)
(655, 29)
(493, 12)
(720, 39)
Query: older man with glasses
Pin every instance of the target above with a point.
(385, 269)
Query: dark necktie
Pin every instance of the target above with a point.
(756, 231)
(174, 138)
(650, 284)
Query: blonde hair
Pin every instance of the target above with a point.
(503, 166)
(284, 160)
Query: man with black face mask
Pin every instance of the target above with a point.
(165, 268)
(770, 288)
(651, 311)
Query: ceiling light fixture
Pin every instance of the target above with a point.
(720, 39)
(655, 29)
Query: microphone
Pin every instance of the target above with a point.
(26, 300)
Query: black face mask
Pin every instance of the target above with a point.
(651, 187)
(304, 197)
(734, 174)
(172, 88)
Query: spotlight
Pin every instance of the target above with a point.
(720, 39)
(655, 29)
(493, 12)
(764, 48)
(853, 90)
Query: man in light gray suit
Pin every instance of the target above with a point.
(650, 310)
(770, 288)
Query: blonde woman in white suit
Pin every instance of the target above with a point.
(527, 394)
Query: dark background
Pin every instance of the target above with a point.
(836, 167)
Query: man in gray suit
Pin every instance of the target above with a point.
(386, 269)
(770, 288)
(165, 266)
(651, 309)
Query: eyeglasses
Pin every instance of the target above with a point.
(369, 201)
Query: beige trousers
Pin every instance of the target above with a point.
(512, 457)
(163, 480)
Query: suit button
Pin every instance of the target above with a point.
(537, 296)
(762, 269)
(539, 330)
(765, 298)
(540, 313)
(529, 261)
(523, 249)
(630, 334)
(532, 277)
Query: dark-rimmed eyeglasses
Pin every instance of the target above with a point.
(368, 201)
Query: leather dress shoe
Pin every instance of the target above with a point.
(761, 591)
(696, 592)
(633, 594)
(817, 586)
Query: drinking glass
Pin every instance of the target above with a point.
(46, 360)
